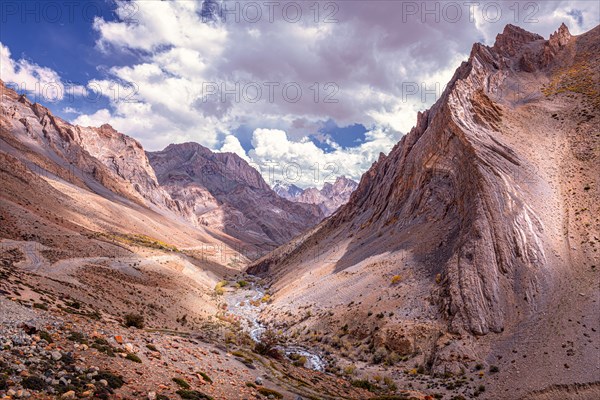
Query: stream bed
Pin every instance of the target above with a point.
(239, 303)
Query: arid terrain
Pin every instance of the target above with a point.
(463, 265)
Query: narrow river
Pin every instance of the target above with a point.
(239, 303)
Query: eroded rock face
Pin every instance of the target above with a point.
(76, 154)
(329, 199)
(126, 157)
(223, 191)
(468, 199)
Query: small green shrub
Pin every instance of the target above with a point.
(182, 383)
(266, 298)
(300, 362)
(266, 346)
(114, 381)
(269, 392)
(364, 384)
(135, 320)
(134, 358)
(205, 377)
(219, 288)
(33, 383)
(45, 336)
(152, 347)
(350, 369)
(193, 395)
(389, 382)
(380, 355)
(494, 369)
(77, 337)
(106, 349)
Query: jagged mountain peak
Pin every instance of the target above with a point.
(329, 198)
(513, 38)
(561, 37)
(286, 189)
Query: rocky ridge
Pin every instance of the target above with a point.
(464, 227)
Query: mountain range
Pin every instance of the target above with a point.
(215, 192)
(331, 196)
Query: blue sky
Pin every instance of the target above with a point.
(61, 39)
(162, 73)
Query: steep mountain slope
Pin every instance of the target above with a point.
(224, 192)
(331, 197)
(476, 239)
(66, 182)
(113, 159)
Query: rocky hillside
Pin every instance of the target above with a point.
(79, 190)
(331, 197)
(31, 132)
(222, 191)
(473, 244)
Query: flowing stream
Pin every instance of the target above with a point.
(239, 304)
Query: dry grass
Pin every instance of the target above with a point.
(578, 78)
(137, 240)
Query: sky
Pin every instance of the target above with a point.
(303, 90)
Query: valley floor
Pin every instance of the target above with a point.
(62, 333)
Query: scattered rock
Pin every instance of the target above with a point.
(68, 395)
